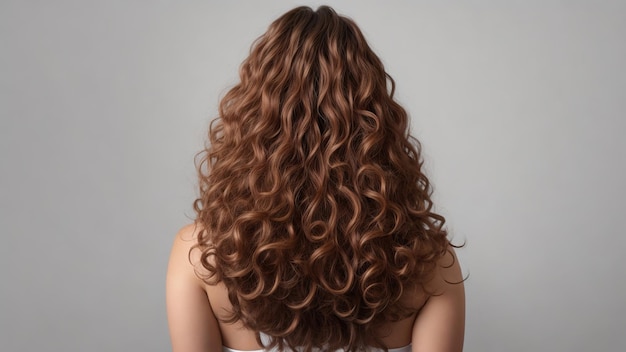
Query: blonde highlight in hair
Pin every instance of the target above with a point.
(316, 214)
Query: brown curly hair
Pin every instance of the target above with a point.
(316, 214)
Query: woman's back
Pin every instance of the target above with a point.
(196, 311)
(396, 334)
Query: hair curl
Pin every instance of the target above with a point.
(316, 215)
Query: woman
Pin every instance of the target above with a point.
(314, 227)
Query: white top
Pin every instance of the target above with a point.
(265, 340)
(406, 348)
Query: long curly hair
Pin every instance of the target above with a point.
(315, 212)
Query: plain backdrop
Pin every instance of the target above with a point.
(520, 107)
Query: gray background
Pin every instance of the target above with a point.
(519, 105)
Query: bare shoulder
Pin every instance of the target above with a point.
(184, 263)
(191, 321)
(440, 325)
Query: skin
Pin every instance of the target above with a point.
(194, 309)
